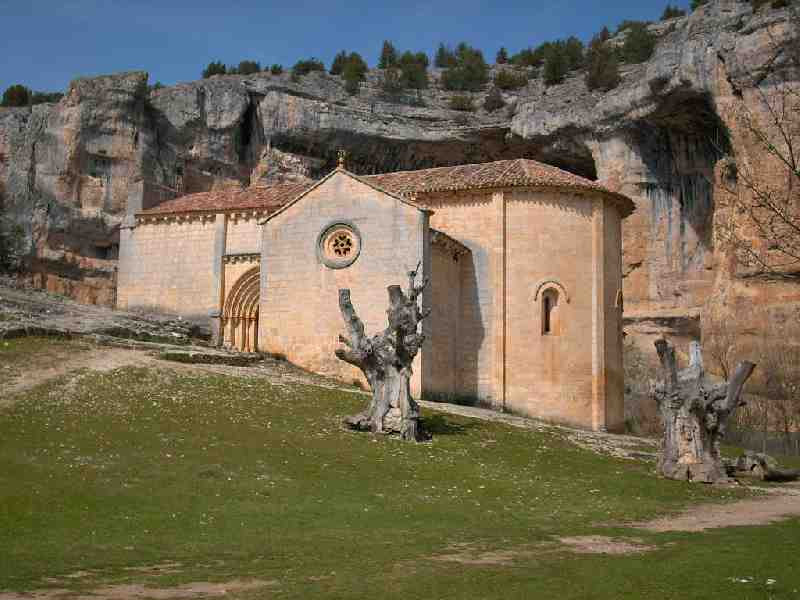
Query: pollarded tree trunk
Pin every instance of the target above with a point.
(385, 359)
(695, 412)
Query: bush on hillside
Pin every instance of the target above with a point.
(444, 58)
(354, 72)
(494, 100)
(671, 12)
(602, 67)
(469, 72)
(695, 4)
(639, 44)
(246, 67)
(507, 79)
(388, 56)
(462, 103)
(306, 66)
(502, 56)
(214, 68)
(276, 69)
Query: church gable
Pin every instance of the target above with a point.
(342, 233)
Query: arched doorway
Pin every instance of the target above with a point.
(240, 314)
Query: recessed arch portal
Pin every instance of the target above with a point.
(240, 313)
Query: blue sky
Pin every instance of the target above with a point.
(45, 43)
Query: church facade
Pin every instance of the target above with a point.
(523, 260)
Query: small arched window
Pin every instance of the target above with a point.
(550, 324)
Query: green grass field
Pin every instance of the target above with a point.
(108, 475)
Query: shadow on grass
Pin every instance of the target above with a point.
(440, 425)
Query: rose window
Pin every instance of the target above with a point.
(339, 246)
(342, 245)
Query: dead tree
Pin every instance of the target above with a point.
(695, 412)
(385, 359)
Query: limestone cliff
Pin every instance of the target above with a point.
(70, 172)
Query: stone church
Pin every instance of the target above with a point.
(524, 262)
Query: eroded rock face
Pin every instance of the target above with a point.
(70, 172)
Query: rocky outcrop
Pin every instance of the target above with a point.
(70, 172)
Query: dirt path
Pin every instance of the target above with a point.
(781, 503)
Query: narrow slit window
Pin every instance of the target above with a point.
(550, 313)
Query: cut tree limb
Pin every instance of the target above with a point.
(385, 359)
(695, 413)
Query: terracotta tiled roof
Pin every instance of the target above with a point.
(268, 198)
(502, 173)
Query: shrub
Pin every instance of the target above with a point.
(413, 70)
(602, 67)
(639, 44)
(388, 55)
(555, 66)
(156, 86)
(462, 103)
(470, 71)
(354, 72)
(12, 244)
(695, 4)
(573, 53)
(494, 100)
(757, 4)
(502, 56)
(276, 69)
(527, 57)
(390, 82)
(42, 97)
(445, 57)
(246, 67)
(506, 79)
(16, 95)
(339, 61)
(304, 67)
(628, 23)
(670, 12)
(214, 68)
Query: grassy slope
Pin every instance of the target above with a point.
(237, 478)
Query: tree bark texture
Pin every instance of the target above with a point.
(695, 412)
(385, 359)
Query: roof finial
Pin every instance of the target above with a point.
(342, 156)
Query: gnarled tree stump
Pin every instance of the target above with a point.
(695, 412)
(385, 359)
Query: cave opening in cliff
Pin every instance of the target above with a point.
(250, 134)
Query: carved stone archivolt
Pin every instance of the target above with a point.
(239, 319)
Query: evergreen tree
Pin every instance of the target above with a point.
(306, 66)
(695, 4)
(639, 44)
(16, 95)
(670, 12)
(494, 100)
(602, 67)
(502, 56)
(248, 67)
(555, 65)
(339, 62)
(573, 53)
(469, 71)
(444, 58)
(388, 55)
(214, 68)
(413, 70)
(354, 71)
(276, 69)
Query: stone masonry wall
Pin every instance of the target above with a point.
(167, 266)
(299, 314)
(445, 320)
(471, 218)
